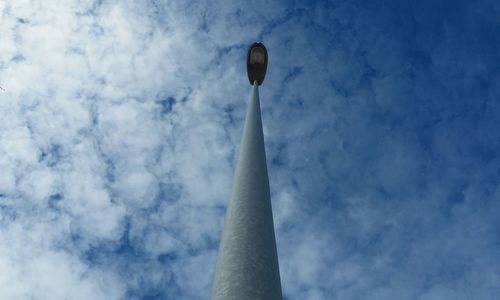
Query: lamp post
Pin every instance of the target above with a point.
(247, 263)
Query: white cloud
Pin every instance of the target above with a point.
(121, 121)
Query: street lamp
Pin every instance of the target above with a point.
(247, 264)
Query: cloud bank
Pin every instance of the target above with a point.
(121, 122)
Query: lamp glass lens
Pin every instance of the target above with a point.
(257, 56)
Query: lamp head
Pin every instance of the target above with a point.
(256, 63)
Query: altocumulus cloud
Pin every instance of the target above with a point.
(120, 123)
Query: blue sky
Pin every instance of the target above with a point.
(120, 122)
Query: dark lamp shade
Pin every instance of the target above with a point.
(256, 63)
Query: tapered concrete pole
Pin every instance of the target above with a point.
(247, 264)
